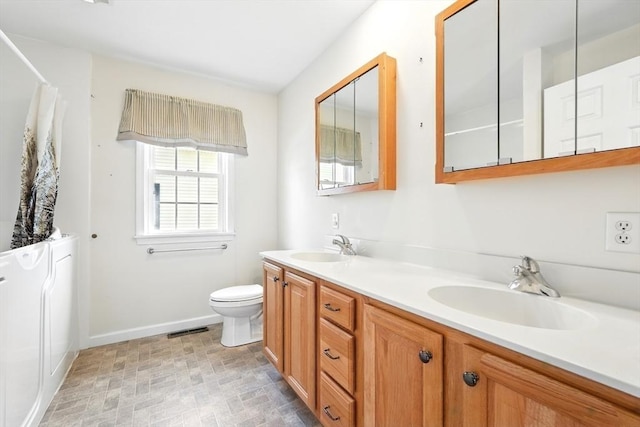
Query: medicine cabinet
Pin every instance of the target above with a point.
(507, 76)
(356, 131)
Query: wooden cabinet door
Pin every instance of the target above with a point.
(402, 385)
(300, 336)
(273, 318)
(509, 395)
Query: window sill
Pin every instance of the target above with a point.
(160, 239)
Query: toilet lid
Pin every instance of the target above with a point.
(237, 293)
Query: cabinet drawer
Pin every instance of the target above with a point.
(337, 354)
(337, 408)
(338, 307)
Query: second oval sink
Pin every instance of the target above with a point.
(319, 256)
(513, 307)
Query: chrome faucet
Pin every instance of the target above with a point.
(529, 279)
(345, 245)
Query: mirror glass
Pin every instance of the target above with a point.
(348, 121)
(355, 131)
(534, 57)
(471, 87)
(340, 145)
(366, 127)
(543, 45)
(608, 69)
(327, 144)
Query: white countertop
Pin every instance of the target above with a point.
(606, 351)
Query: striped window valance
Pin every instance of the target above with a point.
(340, 145)
(170, 121)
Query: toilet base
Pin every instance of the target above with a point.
(238, 331)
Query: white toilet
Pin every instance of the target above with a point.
(241, 308)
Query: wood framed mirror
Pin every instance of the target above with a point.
(356, 131)
(507, 77)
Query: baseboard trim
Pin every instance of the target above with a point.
(147, 331)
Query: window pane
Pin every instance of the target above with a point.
(187, 159)
(177, 203)
(164, 158)
(209, 161)
(326, 175)
(345, 174)
(208, 190)
(187, 189)
(187, 217)
(167, 217)
(208, 217)
(165, 186)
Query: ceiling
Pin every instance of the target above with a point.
(261, 44)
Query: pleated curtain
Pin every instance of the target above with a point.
(171, 121)
(340, 145)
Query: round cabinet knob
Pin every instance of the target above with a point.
(425, 356)
(470, 378)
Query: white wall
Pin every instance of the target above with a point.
(69, 70)
(123, 291)
(553, 217)
(132, 292)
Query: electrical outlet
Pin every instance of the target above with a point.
(623, 232)
(623, 225)
(335, 221)
(623, 239)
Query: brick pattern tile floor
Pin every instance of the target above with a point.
(187, 381)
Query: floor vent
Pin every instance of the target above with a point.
(187, 332)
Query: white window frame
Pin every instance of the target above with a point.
(347, 174)
(146, 234)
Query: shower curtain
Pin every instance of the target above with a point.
(40, 168)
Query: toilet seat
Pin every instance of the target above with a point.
(242, 293)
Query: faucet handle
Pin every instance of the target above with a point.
(344, 239)
(519, 270)
(530, 264)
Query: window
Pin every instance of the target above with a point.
(344, 175)
(183, 195)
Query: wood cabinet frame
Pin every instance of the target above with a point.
(618, 157)
(289, 327)
(386, 126)
(273, 306)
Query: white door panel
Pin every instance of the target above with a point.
(608, 111)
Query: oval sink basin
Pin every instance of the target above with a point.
(319, 256)
(513, 307)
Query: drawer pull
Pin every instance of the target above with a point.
(275, 279)
(329, 414)
(425, 356)
(327, 352)
(328, 307)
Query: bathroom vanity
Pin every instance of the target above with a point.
(370, 342)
